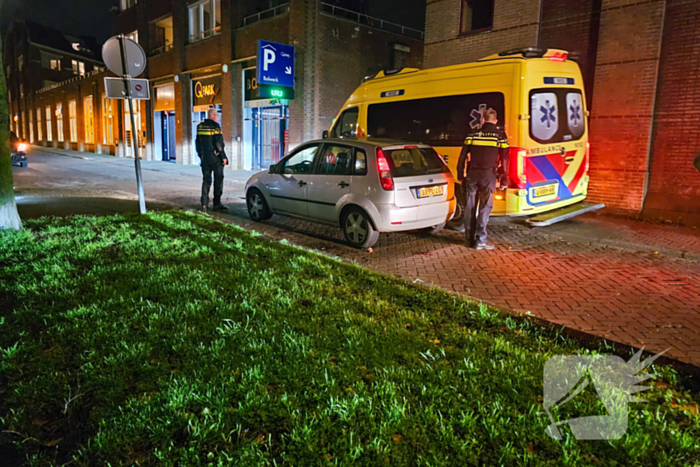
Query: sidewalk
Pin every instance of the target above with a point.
(157, 166)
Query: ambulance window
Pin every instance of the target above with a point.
(557, 115)
(438, 121)
(544, 116)
(347, 124)
(574, 112)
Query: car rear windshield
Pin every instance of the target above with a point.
(411, 162)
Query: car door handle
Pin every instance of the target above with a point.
(570, 159)
(343, 185)
(301, 183)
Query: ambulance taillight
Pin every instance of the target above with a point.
(516, 171)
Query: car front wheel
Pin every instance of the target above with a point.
(257, 206)
(358, 229)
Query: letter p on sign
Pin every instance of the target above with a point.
(268, 58)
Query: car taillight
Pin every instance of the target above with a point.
(588, 158)
(22, 147)
(384, 171)
(516, 171)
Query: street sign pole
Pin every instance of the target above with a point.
(134, 134)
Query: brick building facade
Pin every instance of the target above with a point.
(211, 45)
(640, 61)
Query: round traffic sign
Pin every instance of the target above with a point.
(135, 57)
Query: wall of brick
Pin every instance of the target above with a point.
(625, 92)
(674, 184)
(348, 52)
(515, 24)
(573, 26)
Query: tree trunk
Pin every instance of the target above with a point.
(9, 218)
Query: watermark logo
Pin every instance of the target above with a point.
(614, 380)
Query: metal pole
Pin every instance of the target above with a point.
(134, 139)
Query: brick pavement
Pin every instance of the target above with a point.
(602, 275)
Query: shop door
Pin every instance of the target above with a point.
(172, 154)
(268, 125)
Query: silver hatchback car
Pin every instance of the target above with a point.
(365, 186)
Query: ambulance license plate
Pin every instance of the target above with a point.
(429, 191)
(547, 190)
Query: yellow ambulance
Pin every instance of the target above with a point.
(540, 100)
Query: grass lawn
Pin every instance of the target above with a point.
(174, 340)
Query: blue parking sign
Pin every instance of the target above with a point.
(275, 64)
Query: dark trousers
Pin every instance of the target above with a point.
(217, 168)
(480, 187)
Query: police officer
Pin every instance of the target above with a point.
(210, 148)
(486, 150)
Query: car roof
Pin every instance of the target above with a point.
(376, 142)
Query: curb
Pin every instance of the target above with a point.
(59, 152)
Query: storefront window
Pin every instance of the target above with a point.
(73, 117)
(39, 133)
(59, 122)
(49, 130)
(89, 120)
(107, 121)
(265, 127)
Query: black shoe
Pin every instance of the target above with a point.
(484, 246)
(220, 207)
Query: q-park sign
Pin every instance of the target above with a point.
(275, 64)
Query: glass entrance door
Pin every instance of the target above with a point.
(264, 136)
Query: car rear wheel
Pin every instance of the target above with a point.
(358, 229)
(257, 206)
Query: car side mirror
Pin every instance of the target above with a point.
(325, 134)
(273, 168)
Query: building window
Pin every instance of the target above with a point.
(59, 122)
(477, 15)
(31, 127)
(107, 121)
(163, 35)
(39, 132)
(73, 121)
(21, 90)
(126, 4)
(78, 67)
(134, 36)
(20, 62)
(50, 61)
(24, 125)
(49, 130)
(89, 120)
(205, 19)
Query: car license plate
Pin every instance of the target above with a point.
(547, 190)
(429, 191)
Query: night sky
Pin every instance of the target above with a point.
(93, 17)
(78, 17)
